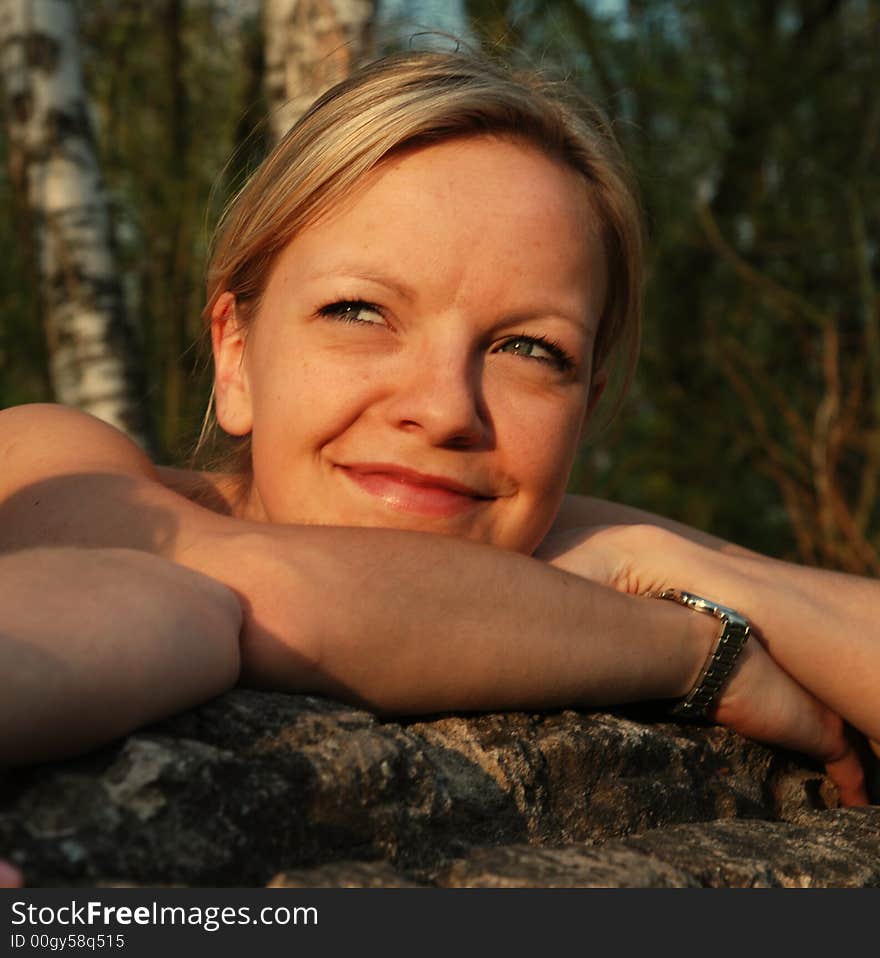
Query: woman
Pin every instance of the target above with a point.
(414, 308)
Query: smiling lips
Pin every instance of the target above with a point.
(410, 491)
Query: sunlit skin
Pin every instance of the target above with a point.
(421, 355)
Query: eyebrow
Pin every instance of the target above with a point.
(343, 271)
(582, 323)
(356, 272)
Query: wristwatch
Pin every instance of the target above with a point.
(735, 632)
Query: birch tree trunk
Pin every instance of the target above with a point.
(93, 352)
(310, 45)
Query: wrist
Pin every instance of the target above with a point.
(701, 638)
(733, 634)
(687, 641)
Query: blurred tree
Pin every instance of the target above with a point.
(176, 84)
(310, 45)
(24, 369)
(93, 350)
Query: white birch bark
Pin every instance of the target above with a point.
(92, 348)
(310, 45)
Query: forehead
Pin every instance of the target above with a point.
(499, 177)
(480, 213)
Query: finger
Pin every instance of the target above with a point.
(848, 775)
(10, 876)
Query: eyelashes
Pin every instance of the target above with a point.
(351, 310)
(538, 349)
(532, 346)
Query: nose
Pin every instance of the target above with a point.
(441, 396)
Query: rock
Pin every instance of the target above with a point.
(832, 849)
(840, 848)
(571, 866)
(344, 874)
(259, 787)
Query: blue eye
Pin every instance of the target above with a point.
(540, 349)
(355, 311)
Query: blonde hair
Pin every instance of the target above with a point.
(416, 99)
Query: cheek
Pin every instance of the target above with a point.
(286, 389)
(305, 403)
(280, 389)
(539, 443)
(542, 437)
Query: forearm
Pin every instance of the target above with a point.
(400, 621)
(98, 642)
(407, 622)
(821, 627)
(580, 512)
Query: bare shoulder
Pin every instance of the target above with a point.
(43, 440)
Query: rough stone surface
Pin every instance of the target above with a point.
(259, 788)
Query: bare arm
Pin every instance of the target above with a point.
(398, 621)
(580, 512)
(95, 643)
(822, 627)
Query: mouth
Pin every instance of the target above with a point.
(407, 490)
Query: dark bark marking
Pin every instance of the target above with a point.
(42, 51)
(20, 106)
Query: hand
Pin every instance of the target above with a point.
(761, 701)
(629, 558)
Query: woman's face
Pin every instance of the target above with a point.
(421, 355)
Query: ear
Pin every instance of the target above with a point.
(232, 395)
(597, 388)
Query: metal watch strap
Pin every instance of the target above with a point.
(735, 631)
